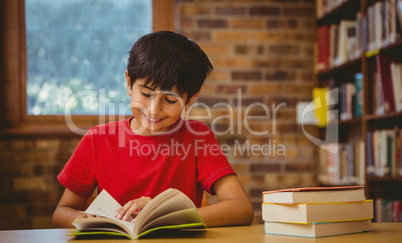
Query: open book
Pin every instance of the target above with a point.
(171, 209)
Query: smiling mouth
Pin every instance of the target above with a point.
(153, 120)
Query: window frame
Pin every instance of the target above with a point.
(13, 67)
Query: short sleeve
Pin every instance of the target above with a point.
(212, 163)
(78, 173)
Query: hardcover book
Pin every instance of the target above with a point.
(315, 195)
(306, 213)
(317, 229)
(171, 209)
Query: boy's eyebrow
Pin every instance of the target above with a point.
(168, 93)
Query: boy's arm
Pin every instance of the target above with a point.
(69, 208)
(234, 207)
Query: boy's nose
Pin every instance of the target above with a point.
(155, 107)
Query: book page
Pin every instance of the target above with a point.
(186, 216)
(168, 201)
(104, 205)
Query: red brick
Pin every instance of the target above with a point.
(251, 50)
(215, 49)
(299, 11)
(209, 101)
(247, 101)
(264, 89)
(198, 35)
(186, 22)
(282, 24)
(266, 11)
(300, 167)
(271, 62)
(246, 75)
(212, 23)
(230, 36)
(283, 49)
(188, 9)
(248, 23)
(230, 62)
(267, 37)
(265, 167)
(229, 10)
(298, 63)
(280, 76)
(231, 89)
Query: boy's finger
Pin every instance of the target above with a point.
(131, 211)
(122, 211)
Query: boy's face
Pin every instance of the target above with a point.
(154, 110)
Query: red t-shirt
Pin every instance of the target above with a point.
(112, 157)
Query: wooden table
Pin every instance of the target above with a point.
(382, 232)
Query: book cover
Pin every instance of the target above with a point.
(315, 195)
(383, 63)
(323, 47)
(320, 104)
(370, 154)
(317, 230)
(305, 213)
(396, 75)
(358, 109)
(171, 209)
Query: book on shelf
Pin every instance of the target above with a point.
(306, 213)
(358, 102)
(396, 76)
(316, 230)
(346, 42)
(384, 152)
(320, 96)
(170, 209)
(326, 6)
(378, 96)
(323, 48)
(398, 13)
(382, 24)
(388, 210)
(383, 63)
(346, 167)
(314, 195)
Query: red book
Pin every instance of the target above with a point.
(323, 47)
(384, 68)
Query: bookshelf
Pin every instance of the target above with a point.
(376, 59)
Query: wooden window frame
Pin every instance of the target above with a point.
(14, 119)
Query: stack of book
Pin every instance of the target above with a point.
(317, 211)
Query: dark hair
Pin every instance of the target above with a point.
(166, 59)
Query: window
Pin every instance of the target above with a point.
(14, 70)
(77, 53)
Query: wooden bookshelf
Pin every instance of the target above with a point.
(386, 187)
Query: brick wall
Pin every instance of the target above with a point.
(262, 52)
(29, 188)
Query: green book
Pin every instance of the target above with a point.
(358, 102)
(171, 209)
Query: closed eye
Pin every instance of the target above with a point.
(170, 101)
(146, 95)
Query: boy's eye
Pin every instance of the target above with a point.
(170, 101)
(146, 95)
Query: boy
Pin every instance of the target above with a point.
(138, 158)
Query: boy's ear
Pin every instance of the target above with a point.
(128, 83)
(190, 101)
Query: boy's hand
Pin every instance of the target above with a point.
(132, 208)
